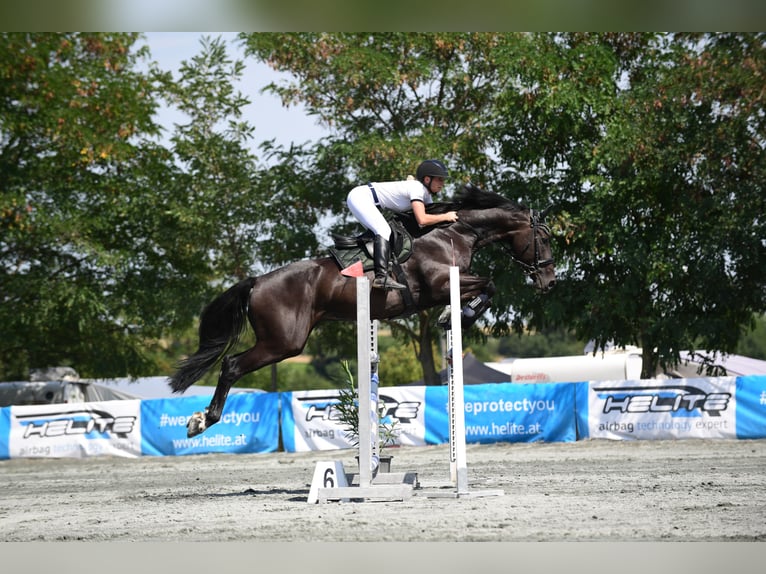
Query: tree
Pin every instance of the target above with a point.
(218, 171)
(651, 146)
(654, 148)
(86, 252)
(111, 241)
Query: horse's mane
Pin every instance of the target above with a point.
(469, 197)
(472, 197)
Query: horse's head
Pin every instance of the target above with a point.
(494, 218)
(532, 250)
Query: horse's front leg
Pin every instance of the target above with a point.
(476, 294)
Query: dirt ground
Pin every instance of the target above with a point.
(693, 490)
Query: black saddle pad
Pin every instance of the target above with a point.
(347, 250)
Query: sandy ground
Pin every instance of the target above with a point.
(691, 490)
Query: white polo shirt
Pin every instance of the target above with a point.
(397, 195)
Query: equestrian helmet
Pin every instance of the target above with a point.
(432, 168)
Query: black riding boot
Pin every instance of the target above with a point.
(381, 254)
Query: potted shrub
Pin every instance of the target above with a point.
(347, 409)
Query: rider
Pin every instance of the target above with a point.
(400, 196)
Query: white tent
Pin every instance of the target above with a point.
(611, 365)
(70, 389)
(617, 364)
(50, 392)
(158, 388)
(735, 365)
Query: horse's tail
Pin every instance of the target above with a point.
(220, 325)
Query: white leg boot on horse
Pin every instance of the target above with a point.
(380, 258)
(468, 314)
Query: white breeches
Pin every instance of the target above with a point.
(362, 205)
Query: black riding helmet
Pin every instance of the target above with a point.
(432, 168)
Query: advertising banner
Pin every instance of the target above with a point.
(310, 421)
(507, 412)
(493, 412)
(751, 407)
(658, 409)
(75, 430)
(719, 407)
(249, 423)
(5, 430)
(405, 407)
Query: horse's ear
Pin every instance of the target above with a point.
(544, 213)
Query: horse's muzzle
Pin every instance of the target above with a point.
(545, 281)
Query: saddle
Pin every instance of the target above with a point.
(348, 250)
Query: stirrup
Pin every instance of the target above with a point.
(386, 282)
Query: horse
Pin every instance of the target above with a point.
(284, 305)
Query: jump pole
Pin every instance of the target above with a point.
(383, 486)
(367, 384)
(456, 397)
(456, 401)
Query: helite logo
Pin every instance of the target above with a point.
(677, 400)
(83, 423)
(324, 408)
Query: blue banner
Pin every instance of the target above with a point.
(5, 432)
(717, 407)
(581, 410)
(249, 423)
(507, 412)
(751, 407)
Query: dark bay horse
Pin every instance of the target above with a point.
(283, 306)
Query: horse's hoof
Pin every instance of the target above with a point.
(195, 425)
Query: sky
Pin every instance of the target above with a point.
(270, 118)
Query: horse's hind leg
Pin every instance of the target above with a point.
(233, 368)
(230, 374)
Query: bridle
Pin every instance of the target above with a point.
(536, 221)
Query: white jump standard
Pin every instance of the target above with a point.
(329, 483)
(456, 402)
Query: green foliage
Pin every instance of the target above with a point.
(399, 366)
(557, 343)
(111, 242)
(347, 412)
(290, 376)
(83, 277)
(215, 187)
(392, 98)
(347, 407)
(753, 342)
(652, 149)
